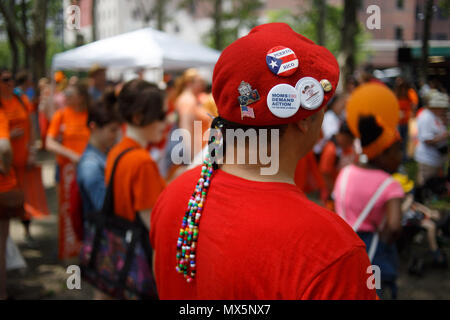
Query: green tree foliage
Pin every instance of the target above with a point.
(243, 15)
(305, 22)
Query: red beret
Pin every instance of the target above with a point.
(273, 55)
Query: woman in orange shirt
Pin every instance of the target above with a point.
(138, 182)
(18, 113)
(407, 100)
(7, 183)
(68, 136)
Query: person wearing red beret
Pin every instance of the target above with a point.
(241, 232)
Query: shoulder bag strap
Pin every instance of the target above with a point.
(365, 213)
(21, 102)
(345, 175)
(107, 209)
(108, 204)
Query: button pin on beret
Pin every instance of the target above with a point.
(253, 59)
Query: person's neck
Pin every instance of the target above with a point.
(135, 133)
(6, 95)
(253, 172)
(370, 166)
(97, 144)
(76, 108)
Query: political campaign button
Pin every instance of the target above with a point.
(283, 101)
(282, 61)
(326, 85)
(311, 93)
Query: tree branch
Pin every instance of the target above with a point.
(11, 23)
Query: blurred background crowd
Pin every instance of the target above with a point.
(63, 123)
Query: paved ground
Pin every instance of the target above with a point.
(45, 277)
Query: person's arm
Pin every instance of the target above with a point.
(54, 146)
(92, 181)
(393, 226)
(6, 156)
(438, 139)
(145, 217)
(426, 129)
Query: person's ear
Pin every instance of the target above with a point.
(137, 119)
(92, 125)
(303, 125)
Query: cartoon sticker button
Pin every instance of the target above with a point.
(248, 95)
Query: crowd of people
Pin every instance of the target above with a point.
(112, 142)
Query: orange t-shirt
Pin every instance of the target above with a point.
(18, 118)
(8, 181)
(405, 110)
(71, 126)
(137, 181)
(328, 160)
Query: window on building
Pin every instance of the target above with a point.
(440, 36)
(398, 33)
(400, 4)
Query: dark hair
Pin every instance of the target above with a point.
(21, 77)
(139, 97)
(369, 129)
(83, 91)
(344, 129)
(104, 112)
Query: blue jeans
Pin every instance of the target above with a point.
(386, 258)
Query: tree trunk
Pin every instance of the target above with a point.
(160, 14)
(11, 38)
(321, 10)
(425, 40)
(349, 32)
(26, 49)
(14, 51)
(218, 24)
(94, 20)
(38, 44)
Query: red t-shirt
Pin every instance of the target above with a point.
(257, 240)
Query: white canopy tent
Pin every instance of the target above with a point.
(145, 48)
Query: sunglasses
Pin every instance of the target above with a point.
(5, 80)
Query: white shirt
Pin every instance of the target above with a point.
(330, 126)
(429, 127)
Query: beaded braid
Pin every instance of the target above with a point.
(187, 240)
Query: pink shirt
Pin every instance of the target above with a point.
(361, 186)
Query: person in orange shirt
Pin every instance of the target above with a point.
(67, 137)
(18, 111)
(337, 153)
(138, 182)
(407, 101)
(7, 183)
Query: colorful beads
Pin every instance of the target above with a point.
(187, 241)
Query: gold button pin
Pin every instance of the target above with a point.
(326, 85)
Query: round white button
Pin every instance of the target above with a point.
(283, 101)
(311, 93)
